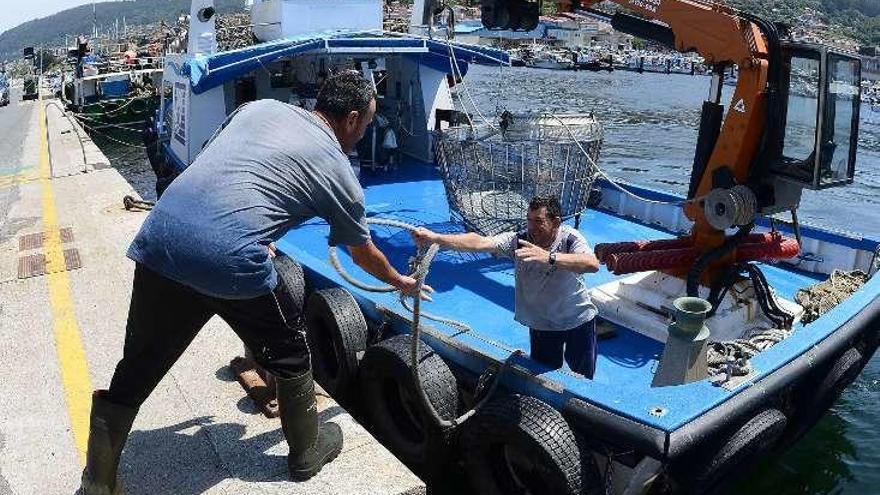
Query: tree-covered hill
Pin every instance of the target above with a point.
(79, 20)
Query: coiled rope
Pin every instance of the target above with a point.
(420, 266)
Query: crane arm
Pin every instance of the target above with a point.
(720, 36)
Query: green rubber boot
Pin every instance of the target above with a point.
(110, 425)
(310, 446)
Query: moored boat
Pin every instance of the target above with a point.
(682, 412)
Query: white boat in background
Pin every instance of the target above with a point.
(551, 59)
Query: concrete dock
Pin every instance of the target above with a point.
(64, 293)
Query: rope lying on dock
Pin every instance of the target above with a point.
(824, 296)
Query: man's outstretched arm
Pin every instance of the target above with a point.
(374, 262)
(470, 241)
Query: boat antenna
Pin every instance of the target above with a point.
(94, 20)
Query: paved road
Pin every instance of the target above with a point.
(18, 153)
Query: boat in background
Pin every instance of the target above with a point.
(112, 89)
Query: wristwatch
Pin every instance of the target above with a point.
(552, 259)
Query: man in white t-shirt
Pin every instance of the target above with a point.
(551, 296)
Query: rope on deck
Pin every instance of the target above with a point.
(821, 298)
(732, 357)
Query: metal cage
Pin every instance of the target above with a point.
(491, 172)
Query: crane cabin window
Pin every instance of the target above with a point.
(840, 121)
(802, 118)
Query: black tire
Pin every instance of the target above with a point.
(337, 334)
(391, 403)
(291, 275)
(519, 444)
(741, 449)
(815, 402)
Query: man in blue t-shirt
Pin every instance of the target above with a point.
(551, 298)
(206, 249)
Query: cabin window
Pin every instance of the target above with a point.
(803, 104)
(840, 122)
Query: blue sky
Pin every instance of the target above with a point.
(14, 13)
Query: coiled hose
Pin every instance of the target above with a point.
(421, 265)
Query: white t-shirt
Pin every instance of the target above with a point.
(548, 297)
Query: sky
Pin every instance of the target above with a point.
(27, 10)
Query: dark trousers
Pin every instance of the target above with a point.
(165, 316)
(577, 346)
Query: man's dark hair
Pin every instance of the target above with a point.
(343, 93)
(549, 202)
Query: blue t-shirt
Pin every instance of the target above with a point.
(273, 167)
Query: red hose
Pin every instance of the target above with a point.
(621, 263)
(643, 255)
(780, 249)
(604, 250)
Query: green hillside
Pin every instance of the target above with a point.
(78, 20)
(856, 19)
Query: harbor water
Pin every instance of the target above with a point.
(651, 123)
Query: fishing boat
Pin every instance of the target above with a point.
(546, 58)
(112, 93)
(750, 364)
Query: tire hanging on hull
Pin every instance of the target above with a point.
(740, 449)
(815, 402)
(337, 335)
(391, 403)
(519, 444)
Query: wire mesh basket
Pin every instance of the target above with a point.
(492, 172)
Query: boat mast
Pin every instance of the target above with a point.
(202, 33)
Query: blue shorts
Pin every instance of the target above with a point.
(577, 346)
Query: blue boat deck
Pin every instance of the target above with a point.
(478, 290)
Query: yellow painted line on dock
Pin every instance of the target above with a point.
(68, 342)
(19, 178)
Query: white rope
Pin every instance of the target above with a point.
(464, 85)
(613, 182)
(420, 272)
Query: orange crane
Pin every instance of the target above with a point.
(756, 158)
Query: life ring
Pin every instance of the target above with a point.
(519, 444)
(337, 333)
(391, 403)
(815, 401)
(757, 435)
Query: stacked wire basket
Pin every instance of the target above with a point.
(492, 171)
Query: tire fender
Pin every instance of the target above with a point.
(757, 435)
(816, 401)
(337, 333)
(392, 406)
(518, 442)
(291, 274)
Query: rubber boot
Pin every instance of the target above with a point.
(110, 425)
(310, 446)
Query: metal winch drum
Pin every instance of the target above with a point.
(490, 172)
